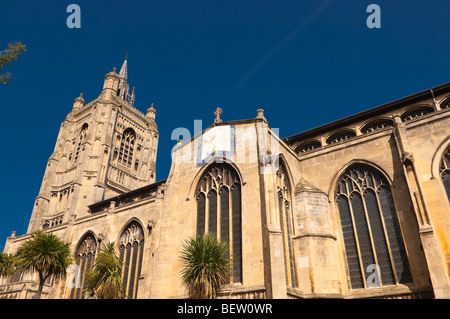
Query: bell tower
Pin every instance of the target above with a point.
(104, 148)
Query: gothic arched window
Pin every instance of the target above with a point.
(377, 125)
(284, 207)
(131, 249)
(218, 196)
(340, 136)
(370, 228)
(415, 113)
(444, 171)
(445, 103)
(81, 138)
(84, 259)
(127, 147)
(308, 146)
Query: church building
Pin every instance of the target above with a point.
(356, 208)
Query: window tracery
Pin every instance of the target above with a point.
(416, 113)
(126, 150)
(307, 147)
(218, 197)
(444, 171)
(84, 259)
(81, 138)
(378, 125)
(131, 249)
(340, 136)
(370, 228)
(284, 208)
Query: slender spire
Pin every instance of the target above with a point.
(124, 70)
(124, 89)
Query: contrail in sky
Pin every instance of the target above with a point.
(288, 38)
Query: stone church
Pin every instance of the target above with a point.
(357, 208)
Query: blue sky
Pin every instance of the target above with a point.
(306, 63)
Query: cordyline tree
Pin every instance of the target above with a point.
(7, 56)
(104, 281)
(45, 254)
(206, 266)
(6, 264)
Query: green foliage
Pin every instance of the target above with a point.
(104, 281)
(9, 55)
(206, 266)
(6, 264)
(45, 254)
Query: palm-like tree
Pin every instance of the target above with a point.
(45, 254)
(206, 266)
(6, 264)
(104, 281)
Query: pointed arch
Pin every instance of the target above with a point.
(416, 111)
(376, 124)
(131, 249)
(340, 135)
(307, 146)
(437, 158)
(85, 253)
(201, 171)
(81, 139)
(284, 187)
(440, 167)
(445, 103)
(370, 228)
(219, 210)
(356, 161)
(279, 158)
(127, 146)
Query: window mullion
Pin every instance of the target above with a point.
(218, 214)
(135, 259)
(207, 212)
(355, 234)
(284, 234)
(385, 231)
(372, 243)
(230, 232)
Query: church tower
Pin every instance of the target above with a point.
(104, 148)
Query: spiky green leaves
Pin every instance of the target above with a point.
(206, 266)
(45, 254)
(104, 281)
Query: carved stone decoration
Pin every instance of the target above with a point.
(407, 158)
(267, 159)
(100, 237)
(150, 224)
(88, 245)
(217, 114)
(55, 221)
(131, 234)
